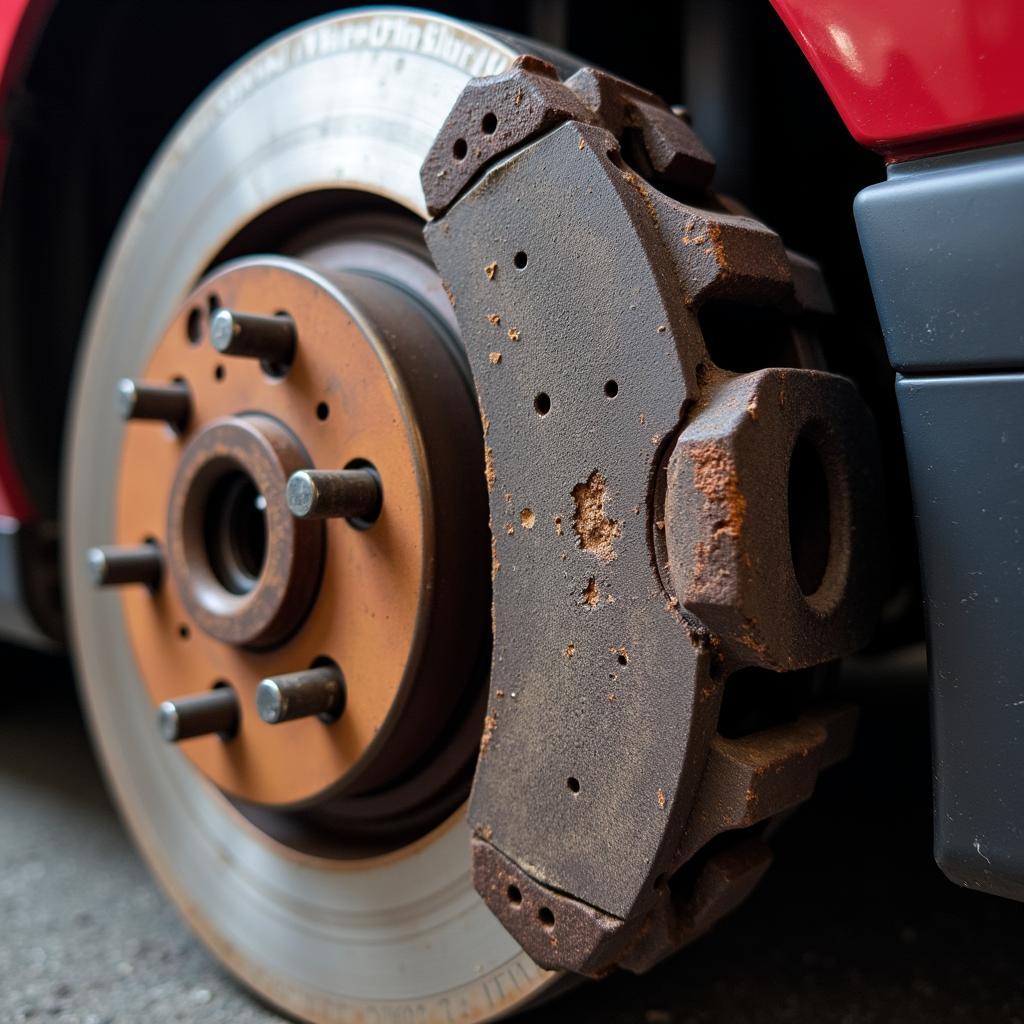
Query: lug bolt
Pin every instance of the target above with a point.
(116, 565)
(199, 715)
(335, 494)
(267, 338)
(171, 403)
(316, 691)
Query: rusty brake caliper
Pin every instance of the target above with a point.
(652, 526)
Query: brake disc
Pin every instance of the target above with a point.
(659, 524)
(310, 148)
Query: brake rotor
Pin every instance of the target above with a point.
(320, 927)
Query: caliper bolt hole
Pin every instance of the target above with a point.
(489, 124)
(520, 260)
(546, 917)
(542, 404)
(460, 149)
(810, 534)
(515, 897)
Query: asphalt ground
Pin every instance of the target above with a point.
(853, 924)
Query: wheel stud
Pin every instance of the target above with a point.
(335, 494)
(199, 715)
(267, 338)
(116, 565)
(171, 403)
(316, 691)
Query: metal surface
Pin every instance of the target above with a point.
(270, 339)
(335, 494)
(396, 935)
(600, 772)
(254, 597)
(314, 691)
(199, 715)
(908, 82)
(399, 606)
(116, 565)
(169, 403)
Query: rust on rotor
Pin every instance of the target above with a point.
(367, 600)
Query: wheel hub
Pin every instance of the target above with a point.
(250, 590)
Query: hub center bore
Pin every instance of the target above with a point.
(245, 569)
(235, 532)
(383, 610)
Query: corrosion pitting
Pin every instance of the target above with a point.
(489, 466)
(490, 724)
(596, 531)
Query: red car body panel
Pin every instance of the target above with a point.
(909, 77)
(19, 22)
(914, 77)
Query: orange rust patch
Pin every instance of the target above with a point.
(570, 650)
(513, 334)
(590, 595)
(594, 528)
(495, 564)
(644, 194)
(490, 724)
(558, 526)
(495, 358)
(714, 475)
(491, 269)
(489, 466)
(527, 518)
(661, 799)
(493, 319)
